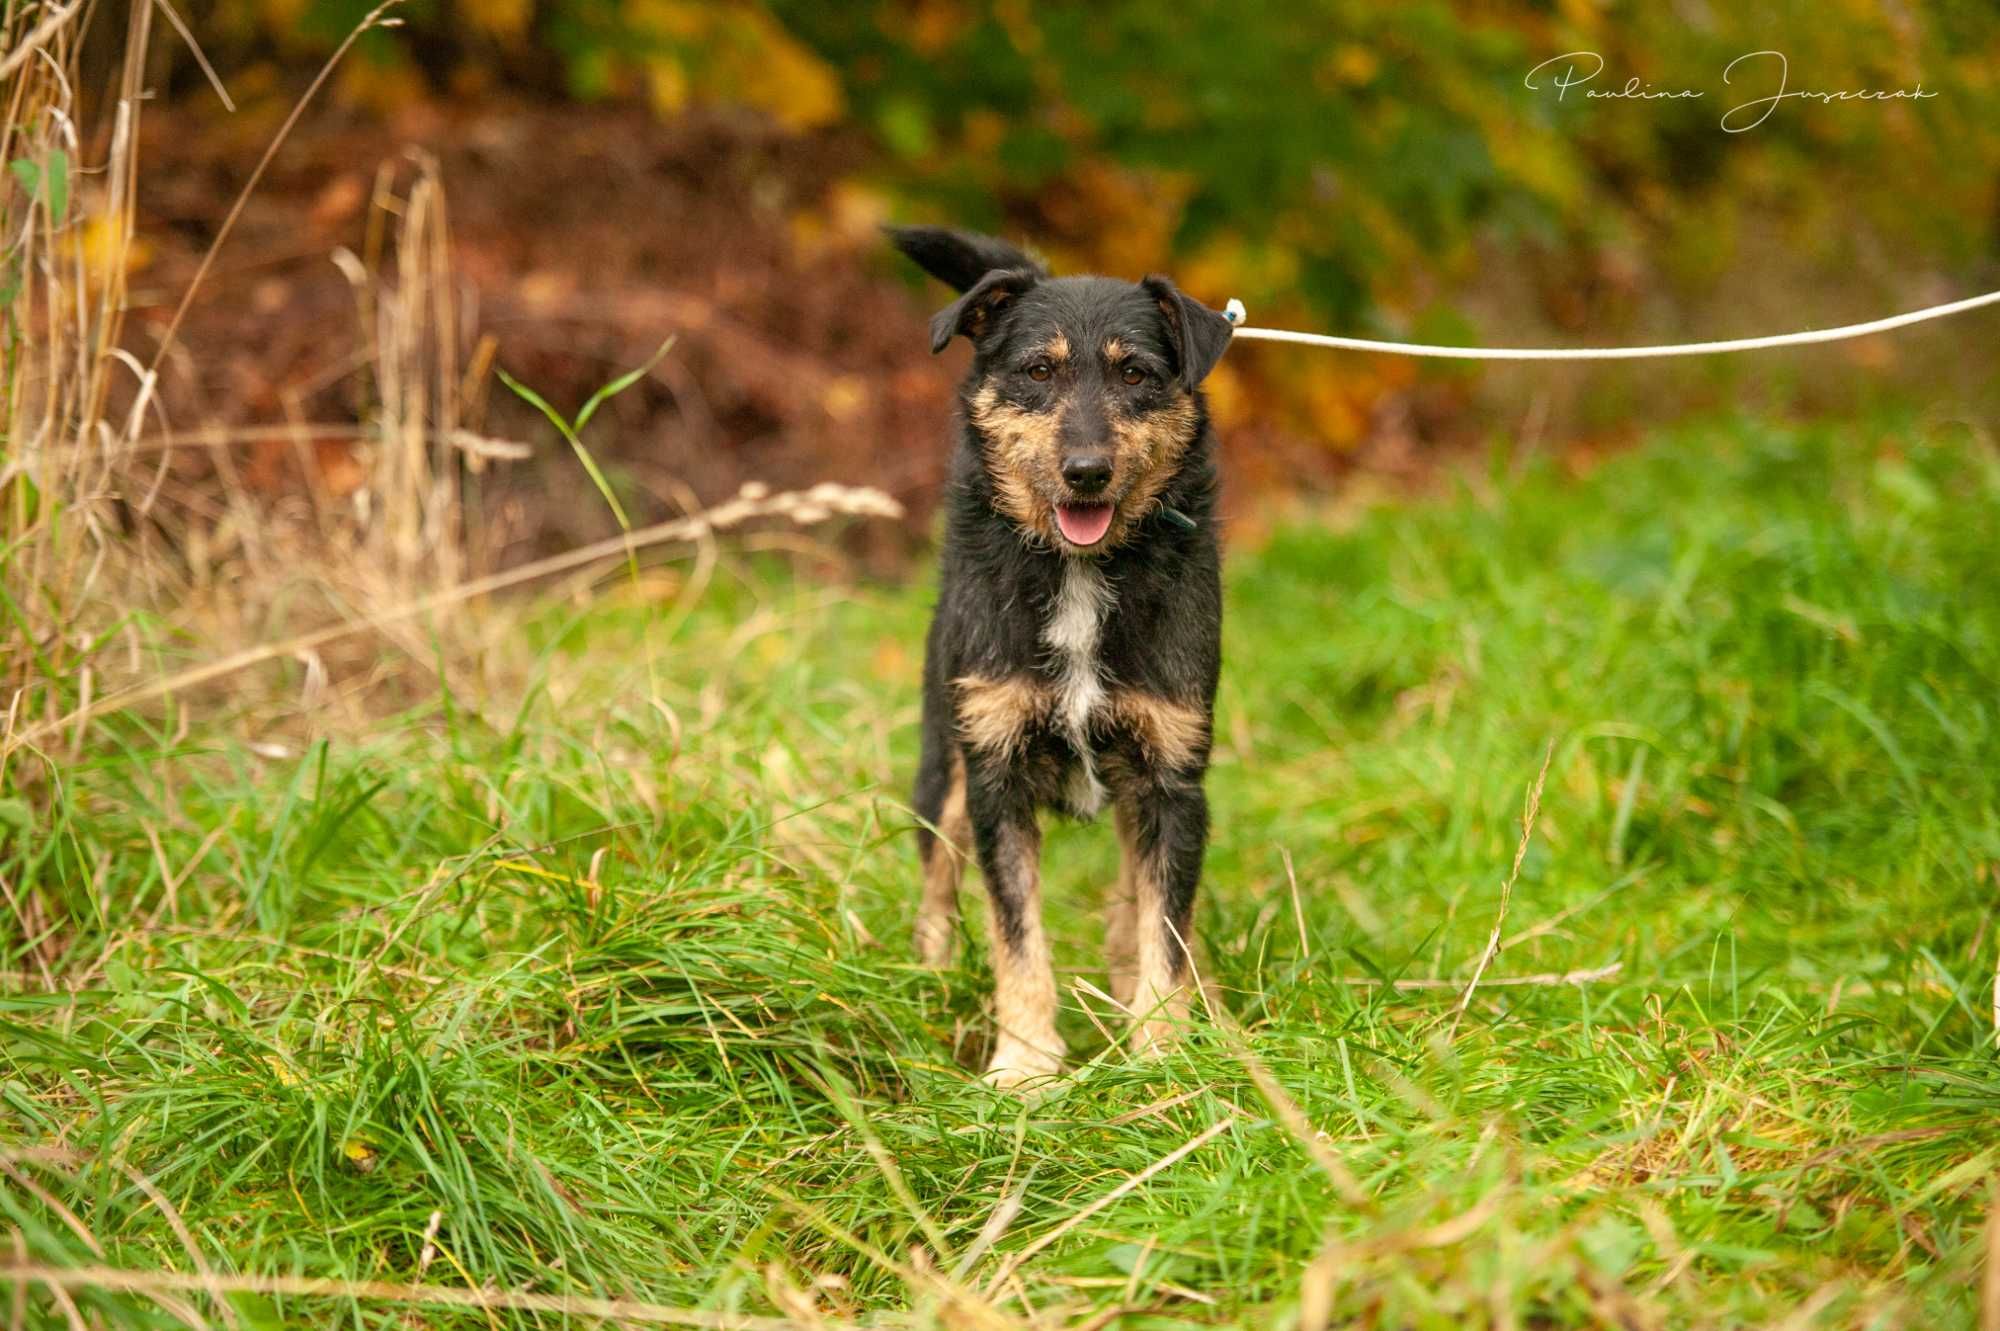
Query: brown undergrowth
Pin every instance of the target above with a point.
(167, 560)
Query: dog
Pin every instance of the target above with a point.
(1072, 660)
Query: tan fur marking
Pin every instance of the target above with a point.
(1114, 351)
(994, 715)
(1022, 447)
(1024, 981)
(1149, 449)
(1159, 1001)
(1024, 457)
(1058, 348)
(1121, 956)
(944, 867)
(1170, 732)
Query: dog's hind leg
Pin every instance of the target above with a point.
(944, 839)
(1164, 832)
(1009, 844)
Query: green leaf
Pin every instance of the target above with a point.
(16, 816)
(1906, 485)
(535, 400)
(620, 384)
(597, 477)
(1613, 1245)
(29, 174)
(58, 186)
(48, 185)
(906, 128)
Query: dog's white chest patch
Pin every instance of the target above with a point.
(1074, 628)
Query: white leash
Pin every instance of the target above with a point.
(1235, 313)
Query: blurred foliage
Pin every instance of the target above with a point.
(1339, 164)
(1352, 151)
(1342, 149)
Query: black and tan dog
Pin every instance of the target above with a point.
(1072, 662)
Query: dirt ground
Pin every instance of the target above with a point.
(580, 240)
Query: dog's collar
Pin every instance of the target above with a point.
(1177, 518)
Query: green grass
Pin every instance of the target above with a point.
(616, 985)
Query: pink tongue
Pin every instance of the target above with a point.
(1083, 524)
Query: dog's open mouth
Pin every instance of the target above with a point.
(1083, 524)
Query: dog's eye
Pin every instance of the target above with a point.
(1133, 375)
(1040, 371)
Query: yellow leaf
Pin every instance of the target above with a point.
(793, 84)
(534, 870)
(736, 53)
(844, 397)
(380, 86)
(857, 211)
(1354, 65)
(100, 243)
(666, 84)
(502, 18)
(359, 1153)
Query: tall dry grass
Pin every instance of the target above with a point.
(75, 503)
(139, 597)
(103, 552)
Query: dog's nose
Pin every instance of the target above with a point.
(1087, 473)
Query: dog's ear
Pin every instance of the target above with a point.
(1200, 335)
(975, 313)
(959, 258)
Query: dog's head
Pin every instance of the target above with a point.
(1083, 391)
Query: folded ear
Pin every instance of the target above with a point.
(958, 258)
(978, 310)
(1200, 335)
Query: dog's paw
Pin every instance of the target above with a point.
(1124, 986)
(1154, 1037)
(1016, 1064)
(935, 940)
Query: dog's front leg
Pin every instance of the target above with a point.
(1121, 955)
(1163, 831)
(1009, 845)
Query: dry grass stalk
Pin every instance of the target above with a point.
(67, 243)
(86, 546)
(92, 533)
(18, 53)
(1492, 949)
(376, 17)
(1313, 1141)
(153, 1284)
(1989, 1289)
(107, 542)
(1541, 980)
(1016, 1260)
(1993, 877)
(414, 531)
(803, 506)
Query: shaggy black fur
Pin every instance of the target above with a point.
(1002, 579)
